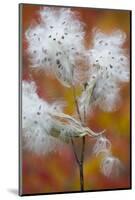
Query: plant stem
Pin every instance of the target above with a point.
(76, 103)
(76, 157)
(81, 162)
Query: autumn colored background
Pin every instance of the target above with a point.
(58, 172)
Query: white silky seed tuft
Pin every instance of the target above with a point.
(36, 122)
(109, 66)
(56, 44)
(111, 166)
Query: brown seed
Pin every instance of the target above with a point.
(44, 50)
(100, 41)
(59, 66)
(111, 66)
(85, 85)
(59, 42)
(57, 62)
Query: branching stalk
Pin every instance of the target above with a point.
(76, 157)
(81, 162)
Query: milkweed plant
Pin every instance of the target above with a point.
(56, 45)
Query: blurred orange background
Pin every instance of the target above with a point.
(58, 172)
